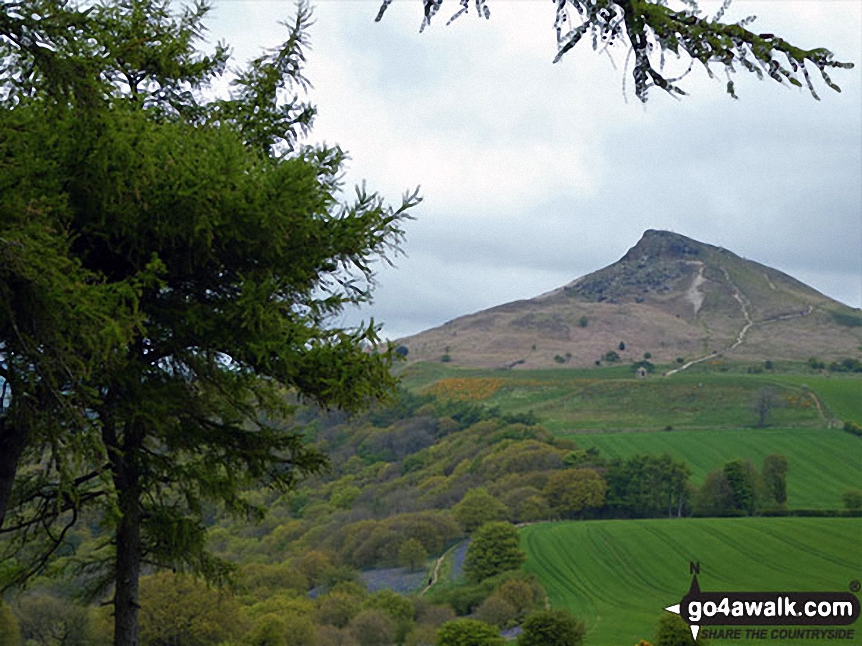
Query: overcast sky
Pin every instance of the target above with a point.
(534, 174)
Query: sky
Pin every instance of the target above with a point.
(533, 174)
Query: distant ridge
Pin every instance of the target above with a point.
(669, 296)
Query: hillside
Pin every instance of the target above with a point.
(669, 296)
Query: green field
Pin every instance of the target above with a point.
(570, 400)
(824, 463)
(841, 395)
(618, 575)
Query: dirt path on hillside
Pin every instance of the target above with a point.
(436, 569)
(749, 323)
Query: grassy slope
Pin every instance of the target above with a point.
(823, 463)
(568, 400)
(618, 575)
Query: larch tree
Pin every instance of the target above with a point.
(200, 253)
(654, 31)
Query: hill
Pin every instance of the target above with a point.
(669, 296)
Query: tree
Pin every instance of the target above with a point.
(373, 628)
(495, 548)
(765, 400)
(654, 31)
(48, 621)
(552, 628)
(478, 507)
(775, 477)
(673, 631)
(219, 241)
(411, 554)
(647, 485)
(572, 491)
(715, 497)
(467, 632)
(742, 478)
(177, 609)
(496, 611)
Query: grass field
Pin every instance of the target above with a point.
(619, 575)
(568, 400)
(842, 395)
(824, 463)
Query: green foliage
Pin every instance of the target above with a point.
(811, 452)
(853, 428)
(373, 628)
(774, 474)
(611, 357)
(583, 321)
(467, 632)
(572, 491)
(478, 507)
(816, 364)
(178, 609)
(621, 346)
(189, 257)
(559, 358)
(742, 480)
(552, 628)
(9, 632)
(673, 631)
(45, 620)
(496, 611)
(394, 605)
(652, 28)
(412, 554)
(495, 548)
(647, 485)
(338, 608)
(846, 365)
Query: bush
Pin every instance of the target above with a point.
(853, 428)
(611, 357)
(673, 631)
(467, 632)
(552, 628)
(495, 548)
(559, 358)
(583, 321)
(373, 627)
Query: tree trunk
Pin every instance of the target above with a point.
(13, 439)
(127, 476)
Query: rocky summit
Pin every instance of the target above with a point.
(670, 297)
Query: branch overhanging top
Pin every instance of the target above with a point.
(651, 29)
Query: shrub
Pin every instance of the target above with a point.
(495, 548)
(552, 628)
(583, 321)
(853, 428)
(467, 632)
